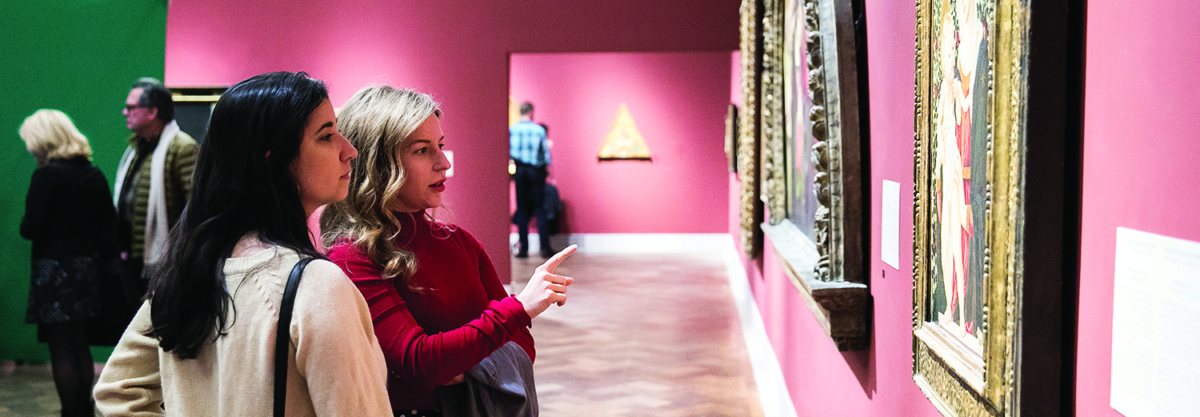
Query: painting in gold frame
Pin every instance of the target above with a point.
(968, 161)
(811, 162)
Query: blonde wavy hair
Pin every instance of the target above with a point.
(376, 121)
(50, 134)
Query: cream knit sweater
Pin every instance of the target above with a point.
(336, 367)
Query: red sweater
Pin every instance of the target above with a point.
(461, 316)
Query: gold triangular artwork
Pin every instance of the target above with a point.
(623, 140)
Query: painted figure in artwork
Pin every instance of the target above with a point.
(959, 165)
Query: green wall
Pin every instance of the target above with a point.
(79, 57)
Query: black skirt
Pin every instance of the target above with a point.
(63, 290)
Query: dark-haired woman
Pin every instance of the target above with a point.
(203, 343)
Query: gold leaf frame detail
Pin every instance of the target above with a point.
(959, 380)
(750, 213)
(774, 162)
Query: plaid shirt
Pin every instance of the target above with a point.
(527, 144)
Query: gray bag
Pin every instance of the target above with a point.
(500, 385)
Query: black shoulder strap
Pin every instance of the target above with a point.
(283, 334)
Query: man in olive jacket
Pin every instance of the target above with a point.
(154, 179)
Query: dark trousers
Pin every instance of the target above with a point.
(121, 291)
(531, 188)
(133, 283)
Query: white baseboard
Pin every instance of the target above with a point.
(768, 376)
(631, 242)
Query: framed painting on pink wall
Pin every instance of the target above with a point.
(968, 161)
(966, 176)
(996, 204)
(624, 141)
(812, 182)
(731, 136)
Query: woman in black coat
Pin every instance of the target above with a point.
(70, 219)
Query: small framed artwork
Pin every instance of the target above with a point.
(731, 136)
(624, 141)
(193, 106)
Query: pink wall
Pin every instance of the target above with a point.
(677, 100)
(1140, 157)
(456, 50)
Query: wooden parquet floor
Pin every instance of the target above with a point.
(642, 335)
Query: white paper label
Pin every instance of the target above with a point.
(1156, 325)
(889, 245)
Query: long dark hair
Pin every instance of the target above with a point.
(241, 184)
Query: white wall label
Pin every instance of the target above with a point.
(1156, 325)
(889, 245)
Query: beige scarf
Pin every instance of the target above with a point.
(157, 223)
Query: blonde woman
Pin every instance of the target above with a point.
(71, 221)
(437, 304)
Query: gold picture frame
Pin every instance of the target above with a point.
(750, 205)
(812, 162)
(193, 107)
(969, 119)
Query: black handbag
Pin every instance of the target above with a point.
(283, 334)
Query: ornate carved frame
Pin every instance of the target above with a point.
(958, 379)
(748, 127)
(829, 271)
